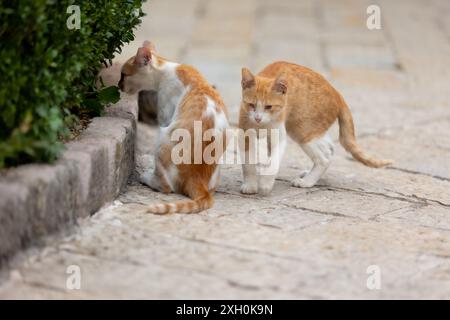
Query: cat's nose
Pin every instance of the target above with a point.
(258, 118)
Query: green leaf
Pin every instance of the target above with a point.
(109, 95)
(93, 105)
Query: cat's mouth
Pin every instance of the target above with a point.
(259, 122)
(259, 119)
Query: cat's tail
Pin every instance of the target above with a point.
(203, 201)
(348, 140)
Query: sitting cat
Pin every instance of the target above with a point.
(302, 104)
(183, 97)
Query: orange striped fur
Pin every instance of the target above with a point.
(311, 105)
(302, 104)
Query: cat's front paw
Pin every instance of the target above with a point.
(150, 180)
(266, 183)
(249, 188)
(303, 173)
(146, 178)
(303, 183)
(265, 190)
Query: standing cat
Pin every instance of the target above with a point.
(302, 104)
(184, 97)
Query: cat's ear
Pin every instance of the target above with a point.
(143, 56)
(280, 84)
(248, 80)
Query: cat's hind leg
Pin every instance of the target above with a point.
(156, 180)
(151, 180)
(320, 151)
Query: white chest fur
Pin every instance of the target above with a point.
(170, 93)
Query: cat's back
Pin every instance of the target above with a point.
(200, 98)
(295, 71)
(198, 84)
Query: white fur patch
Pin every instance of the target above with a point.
(171, 92)
(211, 109)
(163, 136)
(220, 120)
(278, 139)
(214, 178)
(172, 176)
(320, 151)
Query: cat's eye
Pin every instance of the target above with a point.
(268, 107)
(251, 106)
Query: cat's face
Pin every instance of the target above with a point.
(136, 74)
(263, 99)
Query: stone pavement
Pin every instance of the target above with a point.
(295, 243)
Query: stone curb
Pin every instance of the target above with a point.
(39, 199)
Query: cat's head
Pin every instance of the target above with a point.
(263, 99)
(138, 72)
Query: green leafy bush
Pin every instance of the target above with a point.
(48, 72)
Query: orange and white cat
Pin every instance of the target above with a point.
(300, 103)
(184, 97)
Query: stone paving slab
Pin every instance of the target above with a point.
(253, 247)
(294, 243)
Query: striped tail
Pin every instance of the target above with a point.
(348, 140)
(203, 202)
